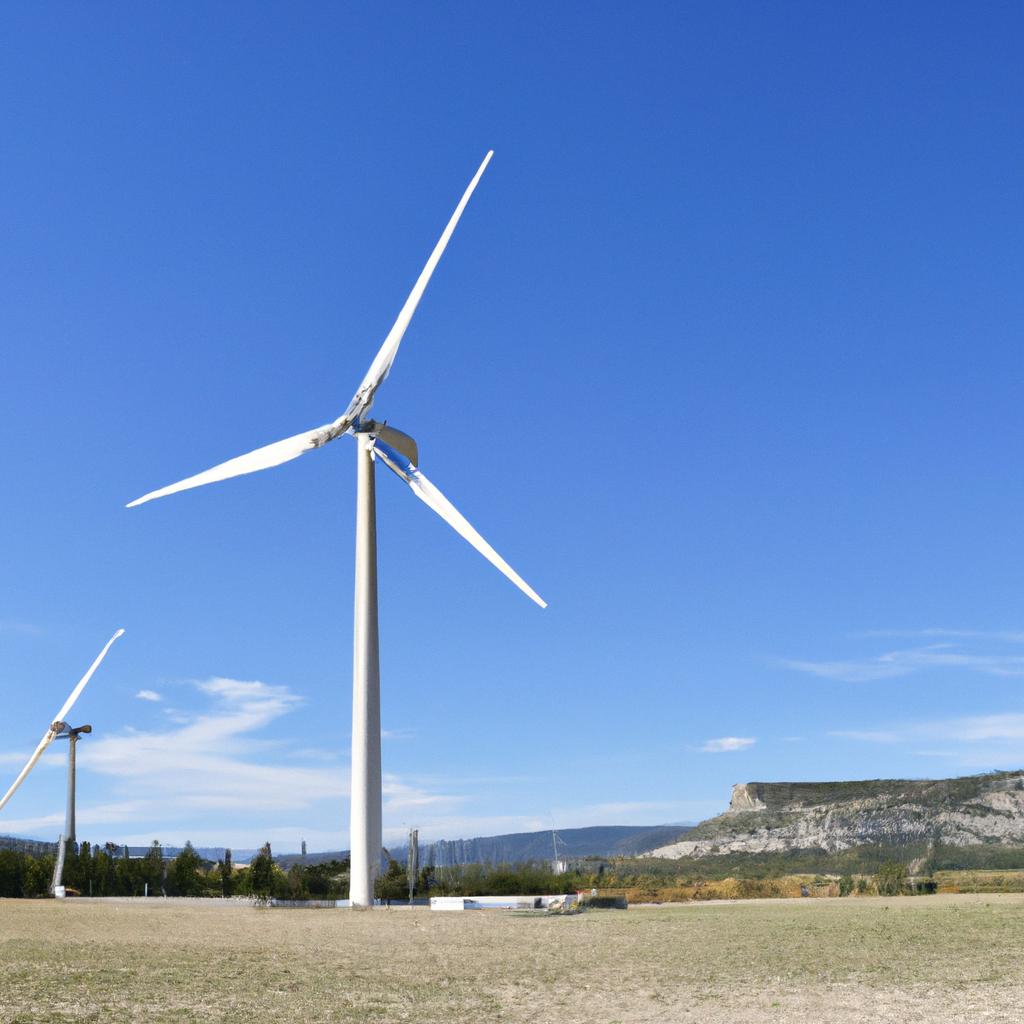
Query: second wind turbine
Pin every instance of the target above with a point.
(399, 453)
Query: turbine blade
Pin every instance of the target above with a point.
(381, 365)
(77, 691)
(43, 744)
(433, 498)
(59, 717)
(262, 458)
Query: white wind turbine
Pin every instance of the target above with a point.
(399, 453)
(57, 725)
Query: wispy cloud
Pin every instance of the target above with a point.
(208, 759)
(219, 773)
(1009, 636)
(397, 734)
(16, 626)
(908, 661)
(13, 757)
(978, 741)
(727, 743)
(868, 736)
(149, 695)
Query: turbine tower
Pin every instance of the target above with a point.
(58, 726)
(399, 453)
(71, 735)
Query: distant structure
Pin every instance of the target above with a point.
(303, 849)
(413, 861)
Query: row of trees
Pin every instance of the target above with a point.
(106, 871)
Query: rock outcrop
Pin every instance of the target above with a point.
(767, 817)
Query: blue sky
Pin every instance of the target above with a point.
(724, 358)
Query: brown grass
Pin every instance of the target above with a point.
(939, 958)
(980, 881)
(784, 887)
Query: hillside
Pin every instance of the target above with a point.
(34, 847)
(520, 847)
(785, 817)
(523, 847)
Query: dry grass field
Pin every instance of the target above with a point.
(939, 958)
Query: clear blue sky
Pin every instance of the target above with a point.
(724, 357)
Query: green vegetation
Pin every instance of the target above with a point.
(935, 794)
(863, 870)
(979, 881)
(866, 859)
(105, 871)
(891, 879)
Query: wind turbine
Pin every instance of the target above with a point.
(399, 453)
(58, 725)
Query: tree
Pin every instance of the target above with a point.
(297, 889)
(226, 872)
(393, 884)
(261, 872)
(38, 872)
(152, 869)
(12, 873)
(184, 873)
(85, 869)
(891, 879)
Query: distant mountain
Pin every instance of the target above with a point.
(286, 860)
(36, 847)
(521, 847)
(513, 848)
(898, 814)
(572, 844)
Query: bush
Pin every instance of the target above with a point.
(891, 879)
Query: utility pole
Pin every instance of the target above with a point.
(413, 862)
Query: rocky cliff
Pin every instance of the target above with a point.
(767, 817)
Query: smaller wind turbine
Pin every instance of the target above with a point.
(58, 725)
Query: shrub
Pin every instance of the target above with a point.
(891, 879)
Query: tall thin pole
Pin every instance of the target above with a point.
(69, 817)
(366, 837)
(413, 861)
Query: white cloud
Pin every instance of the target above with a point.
(208, 775)
(207, 760)
(975, 741)
(1009, 636)
(726, 743)
(967, 729)
(906, 662)
(15, 758)
(148, 695)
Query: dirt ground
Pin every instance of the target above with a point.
(906, 960)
